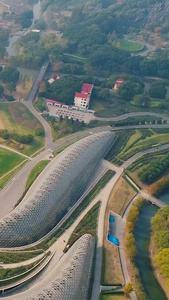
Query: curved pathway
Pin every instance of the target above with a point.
(130, 115)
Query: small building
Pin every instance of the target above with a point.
(54, 78)
(118, 83)
(53, 102)
(83, 99)
(35, 30)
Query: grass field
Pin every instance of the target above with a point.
(12, 257)
(145, 143)
(120, 196)
(35, 172)
(8, 161)
(15, 117)
(112, 297)
(128, 45)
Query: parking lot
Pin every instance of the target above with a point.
(86, 117)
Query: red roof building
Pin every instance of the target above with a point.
(81, 95)
(54, 102)
(87, 88)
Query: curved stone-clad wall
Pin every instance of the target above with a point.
(69, 279)
(56, 189)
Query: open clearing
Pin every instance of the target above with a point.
(127, 45)
(120, 196)
(15, 117)
(8, 161)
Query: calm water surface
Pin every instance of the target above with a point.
(142, 261)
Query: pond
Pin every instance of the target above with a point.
(142, 260)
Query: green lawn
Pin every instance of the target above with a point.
(112, 297)
(12, 257)
(16, 118)
(35, 172)
(8, 161)
(128, 45)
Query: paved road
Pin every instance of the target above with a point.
(130, 115)
(138, 155)
(37, 81)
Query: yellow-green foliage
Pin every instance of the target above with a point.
(160, 229)
(162, 261)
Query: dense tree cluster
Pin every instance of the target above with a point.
(24, 19)
(157, 90)
(63, 90)
(9, 74)
(154, 170)
(160, 230)
(24, 139)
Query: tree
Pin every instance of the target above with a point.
(129, 89)
(10, 74)
(1, 90)
(11, 86)
(157, 90)
(104, 94)
(39, 131)
(142, 100)
(128, 288)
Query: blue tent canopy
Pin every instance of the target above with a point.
(113, 240)
(111, 219)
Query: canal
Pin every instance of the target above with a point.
(143, 263)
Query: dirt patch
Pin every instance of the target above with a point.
(21, 115)
(120, 196)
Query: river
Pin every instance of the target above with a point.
(142, 261)
(14, 38)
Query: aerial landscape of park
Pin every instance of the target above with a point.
(84, 149)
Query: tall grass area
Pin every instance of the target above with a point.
(15, 257)
(87, 225)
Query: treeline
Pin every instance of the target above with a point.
(24, 139)
(159, 186)
(131, 250)
(160, 236)
(154, 170)
(137, 121)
